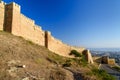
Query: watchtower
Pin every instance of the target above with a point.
(12, 18)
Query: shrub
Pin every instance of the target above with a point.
(75, 53)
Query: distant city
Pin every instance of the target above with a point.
(111, 52)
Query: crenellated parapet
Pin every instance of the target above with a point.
(28, 20)
(37, 27)
(2, 3)
(15, 6)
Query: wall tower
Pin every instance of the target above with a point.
(12, 18)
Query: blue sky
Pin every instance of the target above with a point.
(87, 23)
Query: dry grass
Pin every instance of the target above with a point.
(41, 64)
(33, 56)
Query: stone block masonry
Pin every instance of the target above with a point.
(58, 46)
(20, 25)
(13, 21)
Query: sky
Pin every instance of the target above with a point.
(86, 23)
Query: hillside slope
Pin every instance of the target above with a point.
(24, 60)
(16, 52)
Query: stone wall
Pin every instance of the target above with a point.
(11, 20)
(111, 61)
(31, 32)
(104, 59)
(88, 56)
(58, 46)
(63, 49)
(20, 25)
(107, 60)
(2, 9)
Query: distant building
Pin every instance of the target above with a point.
(107, 60)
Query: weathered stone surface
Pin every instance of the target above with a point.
(2, 8)
(107, 60)
(88, 56)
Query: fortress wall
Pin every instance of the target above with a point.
(30, 31)
(58, 46)
(39, 35)
(12, 18)
(27, 27)
(62, 49)
(20, 25)
(2, 11)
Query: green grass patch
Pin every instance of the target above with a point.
(55, 58)
(38, 60)
(75, 53)
(101, 74)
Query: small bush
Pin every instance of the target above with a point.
(75, 53)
